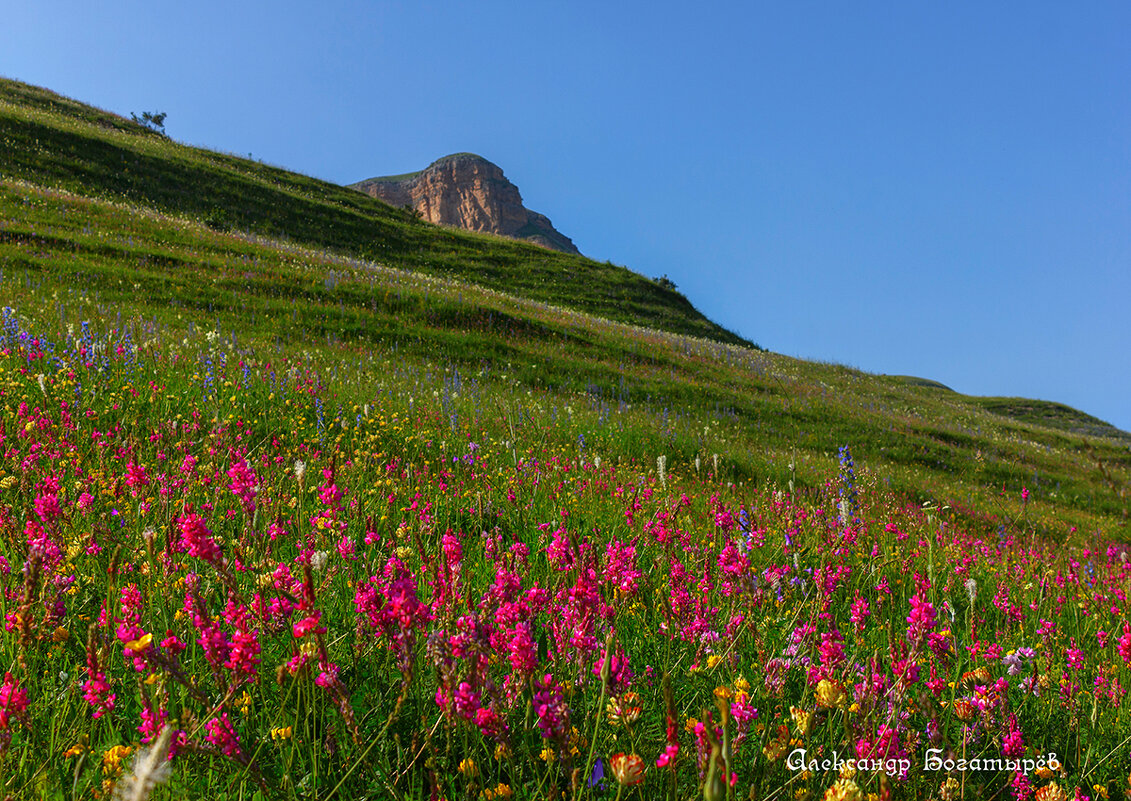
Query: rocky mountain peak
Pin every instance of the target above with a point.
(468, 191)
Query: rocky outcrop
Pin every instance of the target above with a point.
(467, 191)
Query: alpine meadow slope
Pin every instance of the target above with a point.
(301, 497)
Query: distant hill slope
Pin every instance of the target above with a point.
(469, 192)
(1052, 415)
(55, 141)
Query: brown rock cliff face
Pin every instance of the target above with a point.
(467, 191)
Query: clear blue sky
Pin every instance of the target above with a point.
(924, 188)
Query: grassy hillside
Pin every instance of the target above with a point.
(55, 141)
(278, 521)
(683, 397)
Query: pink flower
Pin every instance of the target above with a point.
(13, 700)
(669, 755)
(346, 547)
(467, 700)
(47, 507)
(921, 621)
(136, 477)
(489, 722)
(244, 485)
(1020, 787)
(172, 643)
(453, 549)
(214, 642)
(309, 625)
(620, 674)
(96, 690)
(549, 706)
(523, 651)
(223, 736)
(1075, 656)
(196, 538)
(150, 723)
(831, 651)
(1013, 744)
(243, 660)
(860, 613)
(1125, 644)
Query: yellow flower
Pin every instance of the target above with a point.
(844, 790)
(243, 703)
(74, 750)
(576, 742)
(502, 751)
(776, 748)
(713, 660)
(501, 792)
(802, 720)
(830, 695)
(624, 710)
(140, 644)
(112, 758)
(547, 754)
(627, 768)
(964, 710)
(1051, 792)
(282, 733)
(468, 768)
(979, 676)
(60, 635)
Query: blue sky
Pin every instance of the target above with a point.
(934, 189)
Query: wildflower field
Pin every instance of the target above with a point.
(314, 597)
(279, 523)
(349, 588)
